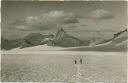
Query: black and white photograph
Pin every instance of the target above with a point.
(64, 41)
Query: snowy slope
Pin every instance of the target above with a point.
(36, 48)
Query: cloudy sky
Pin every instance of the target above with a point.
(77, 18)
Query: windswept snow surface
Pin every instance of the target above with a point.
(59, 66)
(33, 49)
(48, 64)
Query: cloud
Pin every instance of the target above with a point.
(101, 14)
(45, 21)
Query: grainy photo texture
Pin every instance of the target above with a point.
(81, 41)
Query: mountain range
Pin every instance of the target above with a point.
(61, 39)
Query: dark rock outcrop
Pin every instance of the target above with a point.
(119, 33)
(64, 40)
(4, 43)
(10, 44)
(30, 40)
(33, 38)
(48, 41)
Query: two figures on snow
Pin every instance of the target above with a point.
(77, 62)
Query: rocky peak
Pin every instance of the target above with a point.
(33, 38)
(61, 33)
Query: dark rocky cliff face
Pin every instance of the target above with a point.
(64, 40)
(60, 35)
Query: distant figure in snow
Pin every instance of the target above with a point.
(81, 61)
(75, 61)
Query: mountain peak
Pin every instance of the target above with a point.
(61, 33)
(61, 29)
